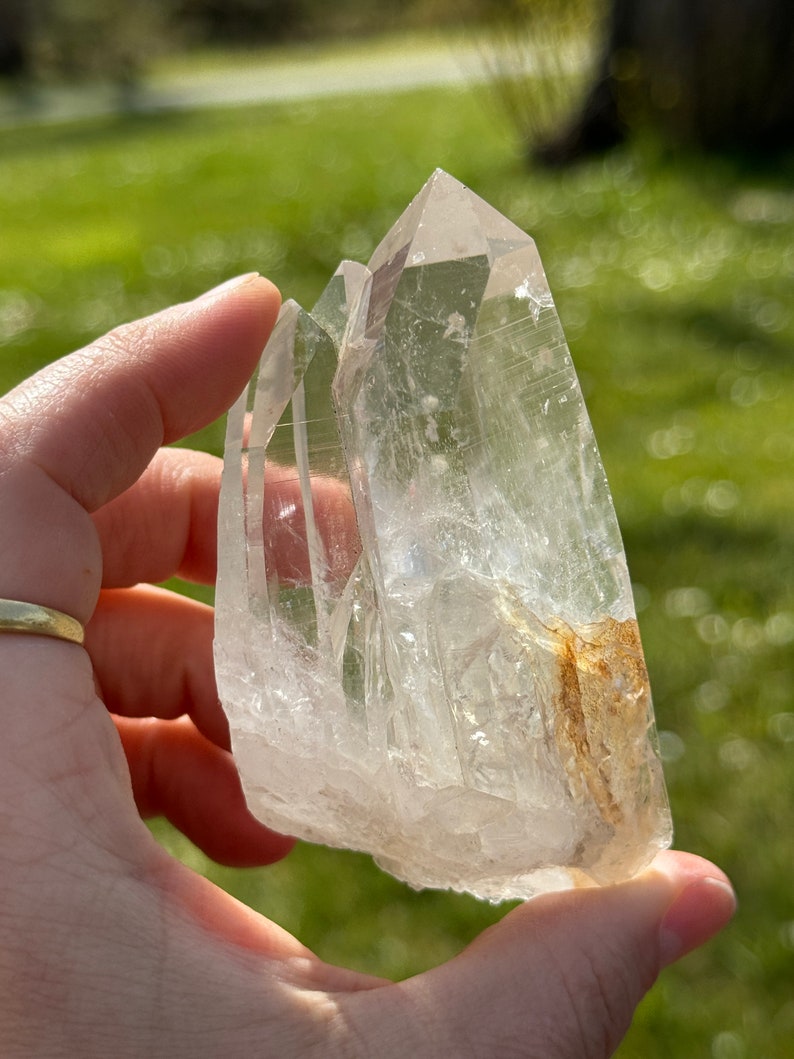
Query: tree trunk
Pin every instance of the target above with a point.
(14, 38)
(712, 74)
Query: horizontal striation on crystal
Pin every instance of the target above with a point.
(426, 644)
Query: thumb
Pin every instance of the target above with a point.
(561, 976)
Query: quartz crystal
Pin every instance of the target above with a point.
(426, 644)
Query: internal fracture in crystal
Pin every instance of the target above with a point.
(426, 644)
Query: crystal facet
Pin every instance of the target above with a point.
(425, 638)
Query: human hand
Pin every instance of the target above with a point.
(109, 947)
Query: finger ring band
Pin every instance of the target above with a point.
(39, 621)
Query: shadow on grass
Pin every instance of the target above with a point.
(662, 318)
(724, 328)
(32, 139)
(754, 562)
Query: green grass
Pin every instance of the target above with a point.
(674, 280)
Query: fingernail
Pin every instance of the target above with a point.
(697, 914)
(229, 285)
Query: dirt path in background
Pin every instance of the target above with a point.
(276, 78)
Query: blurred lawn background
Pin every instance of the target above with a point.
(674, 279)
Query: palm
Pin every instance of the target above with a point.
(107, 945)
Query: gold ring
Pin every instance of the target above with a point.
(39, 621)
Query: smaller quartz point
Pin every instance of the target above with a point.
(426, 644)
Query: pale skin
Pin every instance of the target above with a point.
(108, 946)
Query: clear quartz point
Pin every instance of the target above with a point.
(426, 644)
